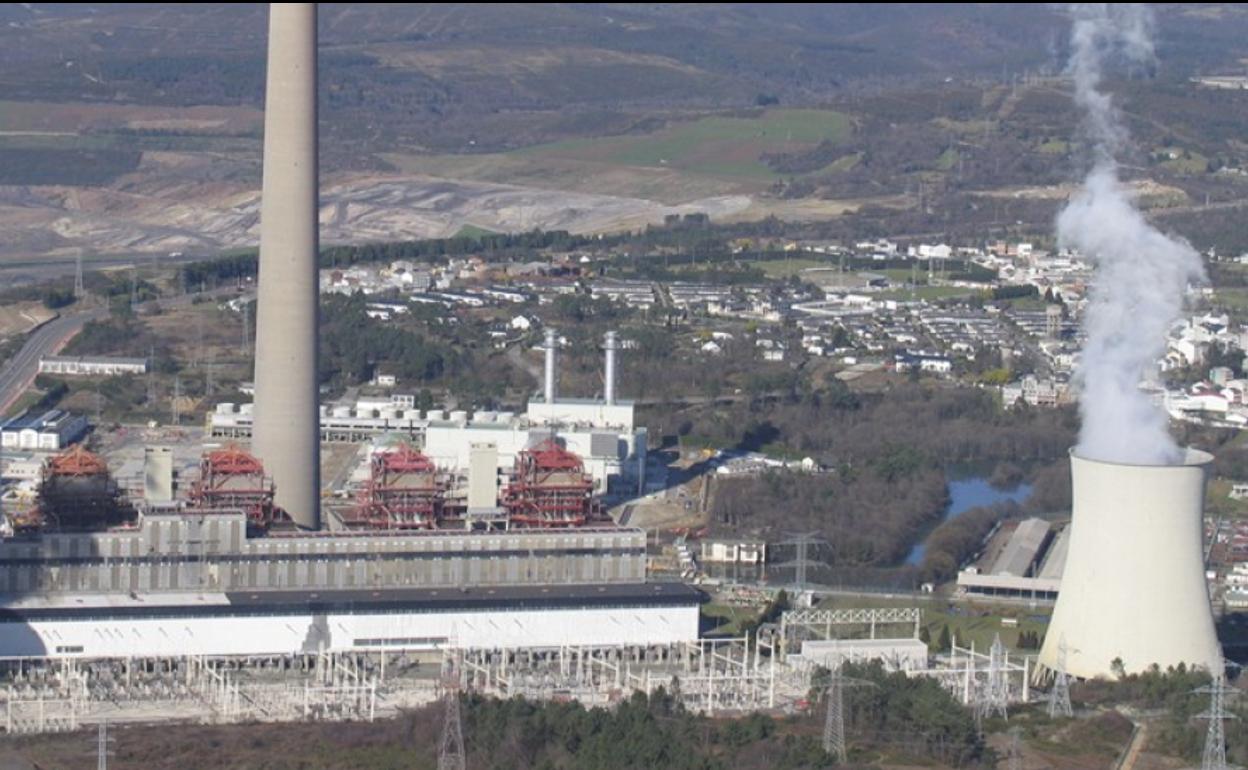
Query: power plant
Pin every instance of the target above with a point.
(1133, 591)
(433, 552)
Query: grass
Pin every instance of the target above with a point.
(1232, 299)
(716, 146)
(967, 623)
(729, 618)
(1054, 147)
(843, 163)
(948, 159)
(1187, 162)
(472, 231)
(783, 268)
(927, 292)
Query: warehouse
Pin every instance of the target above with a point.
(50, 431)
(284, 622)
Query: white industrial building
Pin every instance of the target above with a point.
(284, 623)
(1025, 562)
(50, 431)
(602, 431)
(614, 454)
(92, 366)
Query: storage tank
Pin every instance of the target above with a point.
(1133, 587)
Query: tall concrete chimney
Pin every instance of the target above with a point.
(286, 432)
(608, 375)
(552, 348)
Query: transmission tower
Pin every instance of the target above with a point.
(1059, 696)
(1214, 757)
(246, 329)
(79, 291)
(451, 749)
(1016, 749)
(802, 561)
(177, 398)
(103, 748)
(151, 375)
(834, 722)
(994, 693)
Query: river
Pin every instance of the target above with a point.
(968, 493)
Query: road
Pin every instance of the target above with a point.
(19, 372)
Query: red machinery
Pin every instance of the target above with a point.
(549, 488)
(230, 478)
(405, 490)
(77, 492)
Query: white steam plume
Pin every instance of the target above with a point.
(1141, 273)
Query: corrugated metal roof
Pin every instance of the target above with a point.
(1055, 560)
(1020, 552)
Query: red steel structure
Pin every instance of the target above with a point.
(77, 492)
(233, 479)
(549, 488)
(405, 490)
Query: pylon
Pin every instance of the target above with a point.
(451, 749)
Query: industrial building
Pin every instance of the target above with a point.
(52, 430)
(601, 431)
(1133, 591)
(1023, 560)
(483, 532)
(92, 366)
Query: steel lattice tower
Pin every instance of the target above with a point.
(994, 693)
(451, 749)
(1214, 756)
(834, 722)
(1016, 749)
(1059, 696)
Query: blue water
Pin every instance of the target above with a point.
(968, 493)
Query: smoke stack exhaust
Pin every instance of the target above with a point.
(552, 346)
(286, 433)
(608, 387)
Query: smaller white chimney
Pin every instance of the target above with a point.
(610, 345)
(552, 346)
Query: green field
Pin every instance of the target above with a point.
(783, 268)
(968, 623)
(716, 146)
(472, 231)
(1054, 147)
(926, 292)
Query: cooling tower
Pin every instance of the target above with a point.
(1133, 588)
(286, 434)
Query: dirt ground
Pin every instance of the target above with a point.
(22, 317)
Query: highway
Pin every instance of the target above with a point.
(17, 374)
(19, 371)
